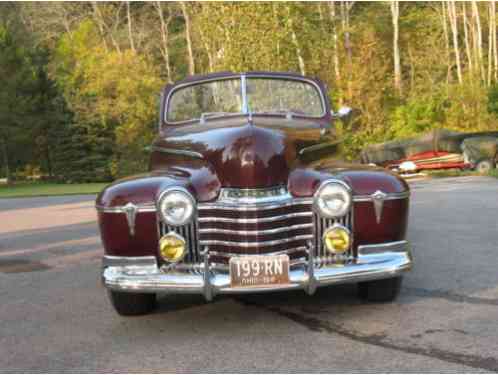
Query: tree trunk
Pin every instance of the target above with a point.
(191, 63)
(466, 39)
(208, 51)
(475, 15)
(105, 30)
(454, 29)
(130, 32)
(397, 65)
(490, 45)
(295, 42)
(96, 15)
(345, 8)
(5, 158)
(49, 161)
(447, 41)
(164, 38)
(495, 48)
(337, 71)
(493, 38)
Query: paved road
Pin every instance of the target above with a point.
(54, 315)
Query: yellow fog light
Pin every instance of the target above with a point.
(172, 247)
(337, 239)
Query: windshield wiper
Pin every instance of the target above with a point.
(206, 115)
(288, 114)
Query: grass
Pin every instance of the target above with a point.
(451, 173)
(42, 189)
(459, 173)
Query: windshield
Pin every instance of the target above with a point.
(205, 99)
(269, 95)
(263, 95)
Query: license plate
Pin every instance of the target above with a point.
(257, 271)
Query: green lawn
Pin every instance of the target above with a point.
(458, 173)
(494, 173)
(26, 189)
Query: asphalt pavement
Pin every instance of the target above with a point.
(55, 316)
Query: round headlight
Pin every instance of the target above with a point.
(172, 247)
(176, 207)
(333, 199)
(337, 239)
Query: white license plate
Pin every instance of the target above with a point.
(259, 270)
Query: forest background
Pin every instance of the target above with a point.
(80, 82)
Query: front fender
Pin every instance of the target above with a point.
(364, 182)
(136, 234)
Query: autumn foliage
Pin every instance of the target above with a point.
(87, 76)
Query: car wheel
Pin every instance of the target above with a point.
(385, 290)
(484, 166)
(128, 304)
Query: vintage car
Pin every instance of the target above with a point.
(243, 196)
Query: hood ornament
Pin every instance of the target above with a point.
(130, 211)
(378, 199)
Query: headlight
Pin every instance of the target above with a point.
(172, 247)
(176, 206)
(333, 199)
(337, 239)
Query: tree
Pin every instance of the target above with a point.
(188, 37)
(397, 65)
(17, 79)
(94, 69)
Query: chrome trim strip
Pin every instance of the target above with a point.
(378, 199)
(229, 255)
(392, 247)
(318, 147)
(115, 261)
(131, 211)
(387, 197)
(243, 93)
(312, 284)
(175, 151)
(253, 196)
(254, 220)
(144, 207)
(257, 244)
(257, 232)
(255, 207)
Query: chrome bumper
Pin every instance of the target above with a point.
(142, 274)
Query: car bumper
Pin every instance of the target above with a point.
(142, 274)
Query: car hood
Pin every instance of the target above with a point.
(246, 153)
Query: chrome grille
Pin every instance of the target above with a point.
(189, 232)
(271, 228)
(321, 224)
(264, 228)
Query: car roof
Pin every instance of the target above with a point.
(202, 77)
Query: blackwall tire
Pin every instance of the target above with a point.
(385, 290)
(129, 304)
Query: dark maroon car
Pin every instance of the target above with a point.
(242, 196)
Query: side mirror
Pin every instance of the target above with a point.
(344, 114)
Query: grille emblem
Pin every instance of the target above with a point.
(253, 195)
(378, 199)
